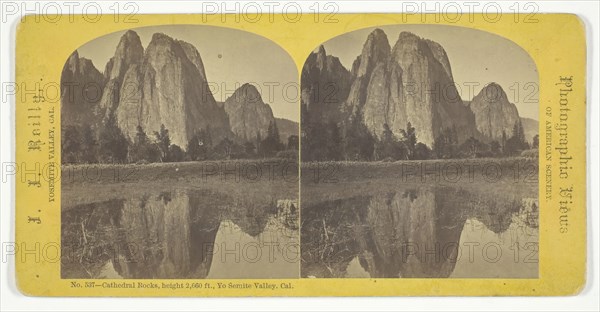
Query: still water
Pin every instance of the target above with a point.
(421, 232)
(181, 234)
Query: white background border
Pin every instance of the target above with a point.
(12, 300)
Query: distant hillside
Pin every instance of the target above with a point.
(286, 128)
(531, 127)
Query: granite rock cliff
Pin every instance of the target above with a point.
(247, 112)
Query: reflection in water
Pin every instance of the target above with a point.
(420, 232)
(181, 234)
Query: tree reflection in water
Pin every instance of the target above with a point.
(180, 234)
(413, 232)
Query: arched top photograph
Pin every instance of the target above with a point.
(412, 120)
(442, 80)
(187, 117)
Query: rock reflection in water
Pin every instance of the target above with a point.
(181, 234)
(417, 232)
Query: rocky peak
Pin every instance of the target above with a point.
(72, 63)
(326, 63)
(409, 48)
(86, 65)
(375, 54)
(129, 51)
(194, 56)
(492, 93)
(163, 47)
(248, 93)
(81, 90)
(376, 49)
(494, 114)
(247, 112)
(408, 39)
(321, 58)
(325, 83)
(80, 66)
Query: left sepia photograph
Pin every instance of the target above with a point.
(179, 156)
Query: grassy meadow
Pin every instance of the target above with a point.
(91, 183)
(279, 178)
(335, 180)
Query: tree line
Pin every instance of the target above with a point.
(80, 144)
(353, 141)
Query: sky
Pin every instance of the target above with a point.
(231, 58)
(476, 57)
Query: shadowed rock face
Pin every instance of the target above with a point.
(286, 128)
(440, 55)
(129, 53)
(367, 66)
(493, 113)
(247, 112)
(531, 128)
(409, 233)
(81, 91)
(325, 85)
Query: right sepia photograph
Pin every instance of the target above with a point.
(419, 151)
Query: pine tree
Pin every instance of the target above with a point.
(536, 141)
(293, 142)
(164, 142)
(359, 143)
(176, 153)
(193, 148)
(516, 143)
(71, 144)
(208, 139)
(445, 145)
(271, 144)
(389, 147)
(225, 148)
(503, 143)
(249, 148)
(422, 152)
(142, 149)
(334, 141)
(140, 136)
(112, 143)
(473, 148)
(411, 140)
(258, 143)
(495, 148)
(89, 145)
(276, 137)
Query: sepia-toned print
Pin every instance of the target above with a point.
(419, 156)
(179, 158)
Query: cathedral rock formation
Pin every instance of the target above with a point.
(411, 82)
